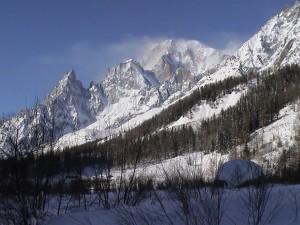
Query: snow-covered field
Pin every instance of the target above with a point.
(279, 206)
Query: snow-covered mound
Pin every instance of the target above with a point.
(238, 171)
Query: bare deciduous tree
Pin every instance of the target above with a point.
(255, 202)
(27, 166)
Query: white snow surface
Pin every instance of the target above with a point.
(206, 109)
(279, 209)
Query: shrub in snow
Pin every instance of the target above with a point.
(238, 172)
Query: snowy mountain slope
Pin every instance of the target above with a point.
(127, 92)
(103, 128)
(276, 44)
(206, 110)
(276, 137)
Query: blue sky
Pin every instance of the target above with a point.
(41, 40)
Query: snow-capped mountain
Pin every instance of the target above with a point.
(134, 91)
(165, 58)
(167, 72)
(180, 64)
(68, 108)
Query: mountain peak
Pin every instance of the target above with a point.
(68, 84)
(93, 84)
(70, 75)
(129, 61)
(196, 56)
(175, 45)
(69, 79)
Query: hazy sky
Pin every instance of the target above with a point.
(40, 40)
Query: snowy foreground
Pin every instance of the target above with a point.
(281, 203)
(277, 204)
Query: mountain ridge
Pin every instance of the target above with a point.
(274, 45)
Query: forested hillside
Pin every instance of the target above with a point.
(259, 107)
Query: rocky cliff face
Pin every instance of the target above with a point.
(128, 77)
(73, 106)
